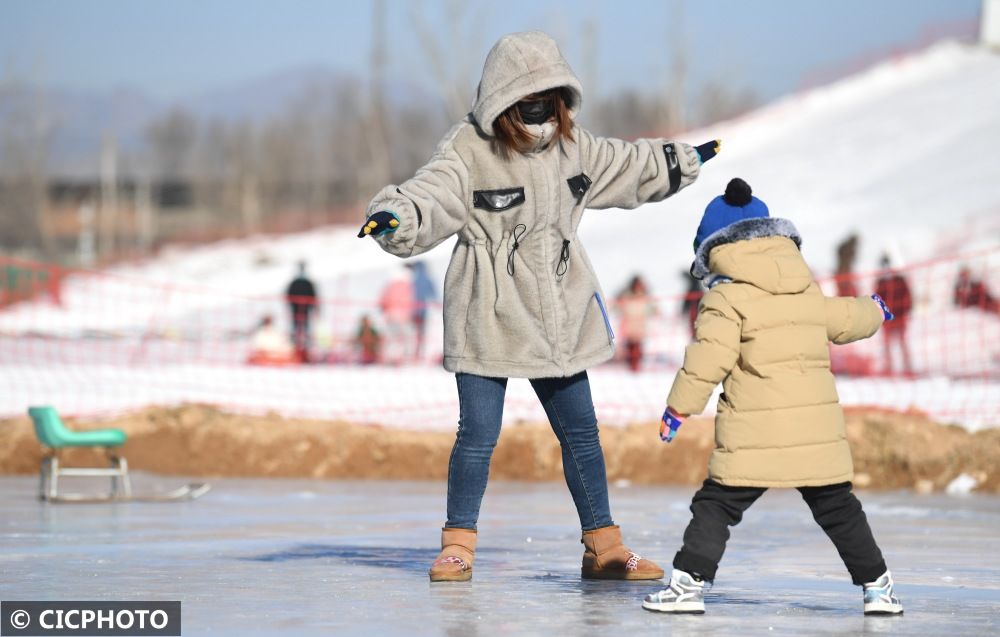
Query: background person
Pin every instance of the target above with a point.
(302, 301)
(269, 345)
(692, 296)
(635, 307)
(424, 294)
(847, 252)
(369, 342)
(894, 289)
(397, 304)
(972, 292)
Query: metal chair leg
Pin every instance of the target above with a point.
(50, 470)
(125, 481)
(43, 482)
(116, 477)
(53, 477)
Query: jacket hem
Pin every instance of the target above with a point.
(512, 369)
(805, 482)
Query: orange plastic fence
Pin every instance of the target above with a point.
(96, 341)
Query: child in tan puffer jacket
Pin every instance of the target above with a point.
(763, 331)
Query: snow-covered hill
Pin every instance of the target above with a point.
(904, 154)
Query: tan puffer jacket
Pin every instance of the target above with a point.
(520, 297)
(763, 331)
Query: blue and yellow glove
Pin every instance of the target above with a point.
(669, 424)
(708, 150)
(886, 314)
(380, 223)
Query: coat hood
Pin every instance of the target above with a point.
(521, 64)
(763, 252)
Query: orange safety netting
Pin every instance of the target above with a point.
(97, 341)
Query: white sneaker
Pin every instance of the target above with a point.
(879, 597)
(685, 594)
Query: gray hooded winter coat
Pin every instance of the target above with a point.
(520, 297)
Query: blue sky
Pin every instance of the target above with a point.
(183, 47)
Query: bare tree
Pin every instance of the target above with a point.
(312, 116)
(226, 174)
(172, 139)
(675, 119)
(629, 114)
(375, 126)
(213, 168)
(591, 45)
(449, 54)
(717, 102)
(25, 140)
(244, 174)
(108, 219)
(345, 144)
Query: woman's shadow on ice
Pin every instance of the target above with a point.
(397, 557)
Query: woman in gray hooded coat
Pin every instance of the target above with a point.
(520, 297)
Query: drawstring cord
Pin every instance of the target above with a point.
(563, 264)
(519, 231)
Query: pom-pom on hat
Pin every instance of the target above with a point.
(737, 204)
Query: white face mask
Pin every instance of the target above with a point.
(543, 133)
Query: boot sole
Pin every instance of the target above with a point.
(465, 576)
(682, 608)
(882, 613)
(882, 608)
(620, 575)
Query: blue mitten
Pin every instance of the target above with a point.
(669, 424)
(380, 223)
(886, 314)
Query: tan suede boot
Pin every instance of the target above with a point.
(458, 551)
(606, 557)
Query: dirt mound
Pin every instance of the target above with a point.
(890, 450)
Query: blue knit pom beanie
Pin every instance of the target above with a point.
(737, 204)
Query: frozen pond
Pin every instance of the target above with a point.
(295, 557)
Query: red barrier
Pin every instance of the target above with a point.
(110, 342)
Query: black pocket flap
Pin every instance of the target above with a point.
(498, 200)
(579, 185)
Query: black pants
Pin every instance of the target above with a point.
(717, 507)
(300, 329)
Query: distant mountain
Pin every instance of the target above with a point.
(82, 118)
(265, 97)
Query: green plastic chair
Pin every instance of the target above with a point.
(53, 434)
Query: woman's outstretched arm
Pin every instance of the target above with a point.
(629, 174)
(430, 207)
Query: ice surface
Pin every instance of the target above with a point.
(266, 557)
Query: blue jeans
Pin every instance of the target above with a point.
(570, 409)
